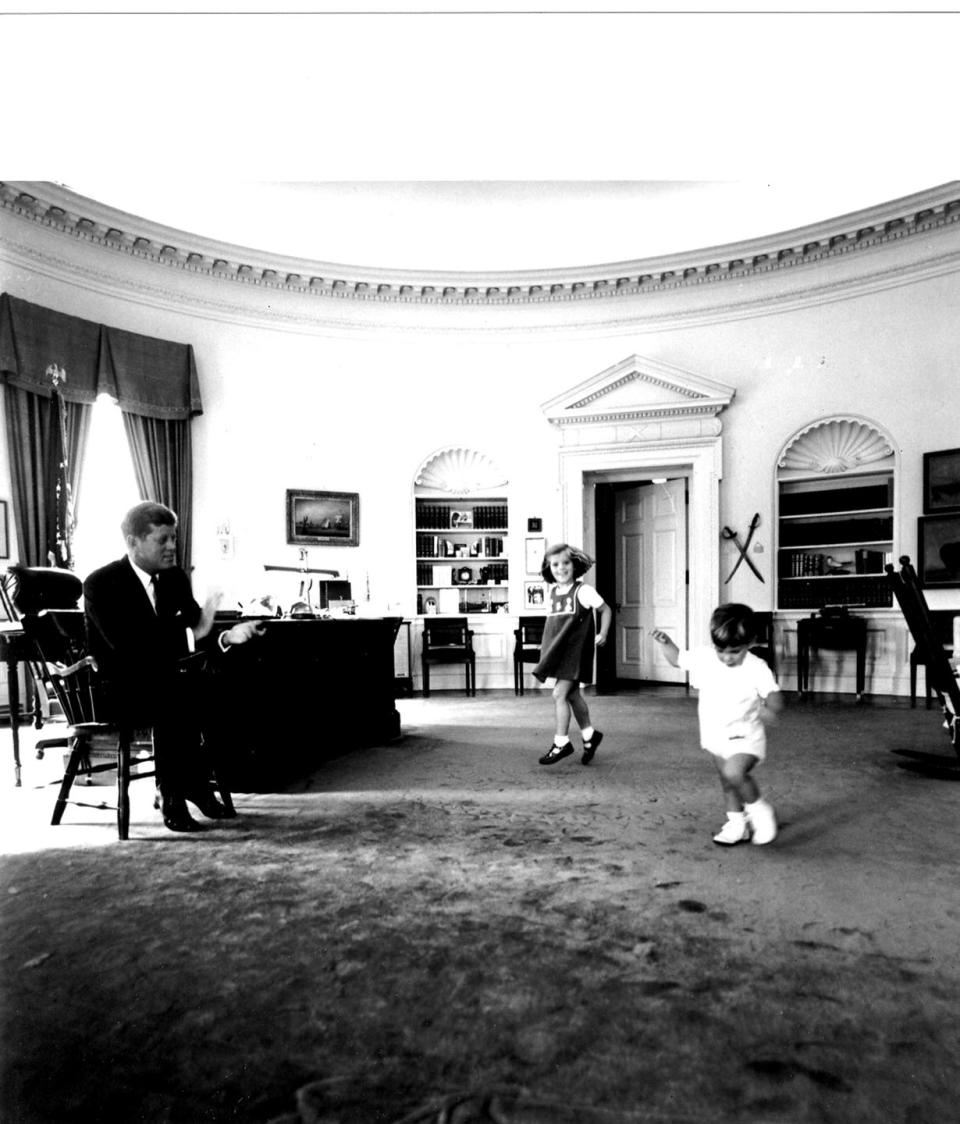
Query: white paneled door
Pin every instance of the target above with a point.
(651, 543)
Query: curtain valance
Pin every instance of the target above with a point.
(147, 376)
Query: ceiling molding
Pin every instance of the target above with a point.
(915, 217)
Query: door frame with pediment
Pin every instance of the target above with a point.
(642, 419)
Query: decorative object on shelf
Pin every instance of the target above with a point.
(535, 595)
(731, 536)
(4, 531)
(534, 525)
(323, 518)
(938, 551)
(941, 481)
(535, 550)
(461, 519)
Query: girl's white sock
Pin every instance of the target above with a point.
(587, 733)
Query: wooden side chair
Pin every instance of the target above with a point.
(59, 639)
(448, 640)
(764, 646)
(526, 647)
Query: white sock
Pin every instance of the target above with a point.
(560, 739)
(737, 817)
(587, 734)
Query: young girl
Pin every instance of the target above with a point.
(738, 695)
(566, 651)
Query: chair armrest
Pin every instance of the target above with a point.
(72, 669)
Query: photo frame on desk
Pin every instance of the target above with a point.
(4, 530)
(941, 481)
(938, 551)
(323, 518)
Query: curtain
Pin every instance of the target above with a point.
(41, 514)
(153, 381)
(163, 463)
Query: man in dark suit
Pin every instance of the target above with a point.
(143, 626)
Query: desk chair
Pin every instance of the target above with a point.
(30, 589)
(941, 621)
(526, 647)
(448, 640)
(763, 646)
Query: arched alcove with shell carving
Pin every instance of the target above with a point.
(462, 526)
(836, 481)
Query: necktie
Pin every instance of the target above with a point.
(155, 586)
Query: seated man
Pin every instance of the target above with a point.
(142, 620)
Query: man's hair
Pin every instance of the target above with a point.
(140, 519)
(732, 625)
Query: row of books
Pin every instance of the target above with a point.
(802, 564)
(480, 516)
(437, 546)
(429, 574)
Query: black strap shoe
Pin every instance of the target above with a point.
(177, 818)
(590, 747)
(210, 806)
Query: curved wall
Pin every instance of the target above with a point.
(345, 385)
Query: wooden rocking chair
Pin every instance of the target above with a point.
(941, 676)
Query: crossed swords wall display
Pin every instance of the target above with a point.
(731, 536)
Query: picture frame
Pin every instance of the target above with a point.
(535, 523)
(535, 595)
(535, 550)
(323, 518)
(4, 531)
(941, 481)
(938, 551)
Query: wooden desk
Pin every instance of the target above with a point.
(837, 633)
(13, 651)
(305, 691)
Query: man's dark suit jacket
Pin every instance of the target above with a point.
(136, 648)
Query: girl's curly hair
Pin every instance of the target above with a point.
(581, 561)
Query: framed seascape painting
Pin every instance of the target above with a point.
(938, 551)
(941, 481)
(323, 518)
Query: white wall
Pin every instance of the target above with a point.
(295, 402)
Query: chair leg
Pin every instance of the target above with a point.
(517, 678)
(123, 786)
(426, 679)
(77, 754)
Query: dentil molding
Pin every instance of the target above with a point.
(916, 217)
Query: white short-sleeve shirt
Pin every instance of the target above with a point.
(731, 700)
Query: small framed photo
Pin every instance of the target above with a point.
(534, 525)
(4, 531)
(535, 595)
(536, 548)
(323, 518)
(941, 481)
(938, 551)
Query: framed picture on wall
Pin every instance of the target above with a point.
(938, 551)
(534, 595)
(323, 518)
(941, 481)
(4, 531)
(536, 548)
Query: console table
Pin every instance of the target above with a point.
(838, 632)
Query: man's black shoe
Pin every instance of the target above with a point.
(177, 818)
(210, 806)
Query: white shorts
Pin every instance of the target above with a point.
(754, 744)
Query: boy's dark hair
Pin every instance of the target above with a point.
(581, 561)
(732, 625)
(141, 518)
